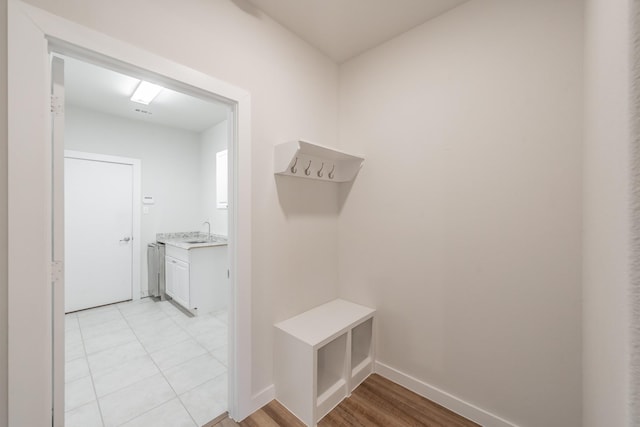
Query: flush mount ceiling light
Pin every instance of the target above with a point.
(145, 92)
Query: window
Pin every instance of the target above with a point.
(222, 201)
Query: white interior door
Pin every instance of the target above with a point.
(98, 232)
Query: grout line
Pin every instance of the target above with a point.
(91, 371)
(95, 392)
(187, 391)
(226, 371)
(193, 336)
(177, 396)
(218, 360)
(159, 371)
(148, 354)
(107, 332)
(108, 348)
(86, 354)
(206, 381)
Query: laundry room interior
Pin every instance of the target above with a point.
(152, 171)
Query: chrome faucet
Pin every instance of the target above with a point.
(209, 228)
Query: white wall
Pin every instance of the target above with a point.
(294, 222)
(213, 140)
(170, 168)
(606, 215)
(464, 226)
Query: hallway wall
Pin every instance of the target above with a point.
(464, 226)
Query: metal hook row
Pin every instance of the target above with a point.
(307, 170)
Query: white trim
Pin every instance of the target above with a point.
(29, 232)
(441, 397)
(31, 32)
(57, 254)
(263, 397)
(137, 207)
(222, 179)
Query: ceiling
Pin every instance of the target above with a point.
(96, 88)
(343, 29)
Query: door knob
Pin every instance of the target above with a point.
(126, 239)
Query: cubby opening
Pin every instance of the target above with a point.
(361, 337)
(331, 367)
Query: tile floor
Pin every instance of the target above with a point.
(144, 363)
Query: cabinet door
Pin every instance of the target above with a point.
(181, 282)
(170, 275)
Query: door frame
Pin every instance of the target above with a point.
(136, 164)
(32, 35)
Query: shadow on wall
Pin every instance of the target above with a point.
(248, 8)
(344, 189)
(306, 197)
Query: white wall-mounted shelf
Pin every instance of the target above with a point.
(321, 355)
(304, 159)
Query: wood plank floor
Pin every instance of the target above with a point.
(376, 402)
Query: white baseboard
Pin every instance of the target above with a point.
(263, 397)
(443, 398)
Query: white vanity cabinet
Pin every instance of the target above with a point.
(321, 356)
(177, 280)
(196, 278)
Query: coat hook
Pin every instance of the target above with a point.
(331, 173)
(293, 168)
(307, 171)
(320, 171)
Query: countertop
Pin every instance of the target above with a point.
(191, 240)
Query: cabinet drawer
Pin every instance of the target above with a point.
(177, 253)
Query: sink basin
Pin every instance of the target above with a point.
(197, 241)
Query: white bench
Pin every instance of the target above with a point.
(321, 356)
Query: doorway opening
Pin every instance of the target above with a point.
(146, 237)
(35, 270)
